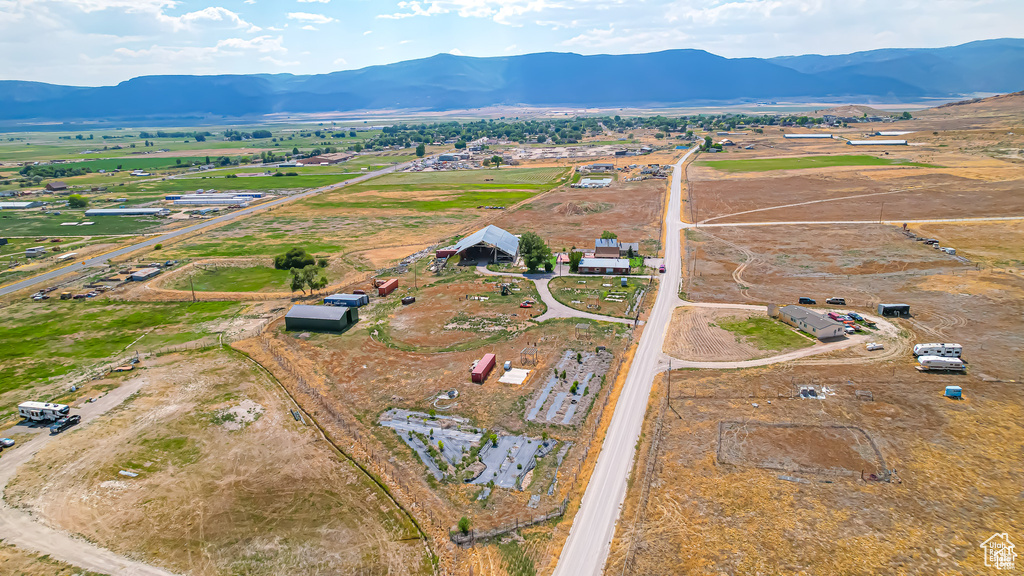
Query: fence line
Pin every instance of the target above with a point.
(465, 539)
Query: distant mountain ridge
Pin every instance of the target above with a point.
(447, 82)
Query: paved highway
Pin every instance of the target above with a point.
(49, 277)
(594, 526)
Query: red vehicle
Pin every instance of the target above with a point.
(526, 305)
(833, 316)
(661, 268)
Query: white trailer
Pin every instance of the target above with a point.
(940, 363)
(42, 411)
(939, 349)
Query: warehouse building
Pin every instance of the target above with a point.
(143, 274)
(604, 266)
(128, 212)
(808, 136)
(894, 310)
(491, 243)
(877, 142)
(212, 199)
(19, 205)
(320, 318)
(818, 325)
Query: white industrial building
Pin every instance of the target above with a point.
(893, 132)
(210, 199)
(127, 212)
(877, 142)
(808, 136)
(19, 205)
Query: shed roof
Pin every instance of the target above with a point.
(606, 243)
(492, 236)
(316, 312)
(604, 263)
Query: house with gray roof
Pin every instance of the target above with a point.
(814, 323)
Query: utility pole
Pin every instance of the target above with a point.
(192, 286)
(880, 213)
(670, 383)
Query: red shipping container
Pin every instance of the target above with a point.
(483, 368)
(387, 287)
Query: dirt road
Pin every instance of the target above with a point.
(22, 530)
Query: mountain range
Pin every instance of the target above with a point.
(449, 82)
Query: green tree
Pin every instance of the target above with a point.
(295, 151)
(77, 201)
(497, 160)
(297, 282)
(542, 138)
(460, 145)
(574, 260)
(293, 258)
(906, 116)
(707, 142)
(322, 262)
(421, 150)
(358, 147)
(534, 251)
(606, 235)
(313, 277)
(465, 524)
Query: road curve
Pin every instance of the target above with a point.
(20, 529)
(103, 258)
(593, 528)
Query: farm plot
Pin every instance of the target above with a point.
(532, 176)
(694, 512)
(43, 340)
(707, 334)
(604, 296)
(211, 432)
(803, 162)
(568, 392)
(234, 279)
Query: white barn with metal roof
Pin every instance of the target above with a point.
(490, 243)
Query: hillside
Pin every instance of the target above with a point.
(447, 82)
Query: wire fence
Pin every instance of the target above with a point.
(471, 537)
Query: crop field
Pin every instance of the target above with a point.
(803, 162)
(47, 339)
(706, 334)
(227, 481)
(737, 489)
(33, 223)
(501, 176)
(235, 279)
(605, 296)
(371, 197)
(223, 184)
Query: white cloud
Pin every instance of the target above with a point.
(340, 62)
(510, 48)
(368, 32)
(498, 10)
(307, 17)
(309, 27)
(249, 1)
(311, 1)
(456, 52)
(405, 42)
(277, 62)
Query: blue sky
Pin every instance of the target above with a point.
(102, 42)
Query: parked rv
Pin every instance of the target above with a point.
(941, 363)
(42, 411)
(944, 350)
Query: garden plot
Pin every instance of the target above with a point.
(602, 295)
(568, 387)
(449, 445)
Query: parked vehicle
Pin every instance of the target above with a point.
(42, 411)
(872, 346)
(65, 423)
(6, 442)
(833, 316)
(943, 350)
(661, 268)
(836, 301)
(941, 363)
(854, 315)
(805, 300)
(848, 329)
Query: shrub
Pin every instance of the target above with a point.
(465, 524)
(158, 247)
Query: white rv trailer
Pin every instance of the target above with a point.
(42, 411)
(938, 349)
(940, 363)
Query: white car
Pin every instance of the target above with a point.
(871, 346)
(849, 329)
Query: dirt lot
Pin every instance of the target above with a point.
(950, 300)
(575, 216)
(228, 482)
(16, 562)
(705, 514)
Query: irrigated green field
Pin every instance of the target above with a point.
(51, 338)
(231, 279)
(768, 164)
(501, 176)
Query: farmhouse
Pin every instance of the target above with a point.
(326, 318)
(606, 248)
(56, 186)
(490, 243)
(811, 322)
(625, 247)
(604, 266)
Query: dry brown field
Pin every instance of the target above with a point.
(228, 481)
(777, 488)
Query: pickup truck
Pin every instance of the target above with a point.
(65, 423)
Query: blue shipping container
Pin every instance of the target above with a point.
(953, 391)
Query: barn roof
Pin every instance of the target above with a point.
(317, 312)
(491, 236)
